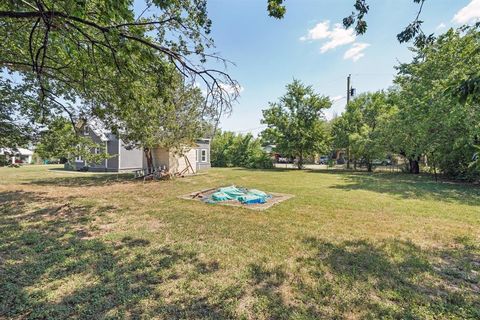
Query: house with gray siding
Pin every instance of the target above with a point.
(125, 158)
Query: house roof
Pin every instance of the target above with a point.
(98, 128)
(25, 152)
(16, 151)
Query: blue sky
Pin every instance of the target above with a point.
(269, 53)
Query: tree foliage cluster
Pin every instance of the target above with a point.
(296, 124)
(74, 59)
(13, 131)
(60, 141)
(360, 129)
(434, 119)
(424, 116)
(236, 150)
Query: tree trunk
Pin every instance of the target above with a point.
(148, 156)
(300, 162)
(348, 158)
(414, 166)
(369, 166)
(355, 164)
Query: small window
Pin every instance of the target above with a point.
(203, 155)
(78, 158)
(86, 130)
(97, 150)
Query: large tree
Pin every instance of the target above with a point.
(360, 129)
(72, 57)
(296, 123)
(171, 116)
(431, 121)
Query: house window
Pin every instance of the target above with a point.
(85, 130)
(96, 150)
(203, 155)
(78, 158)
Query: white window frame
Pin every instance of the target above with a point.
(86, 130)
(78, 158)
(203, 155)
(96, 150)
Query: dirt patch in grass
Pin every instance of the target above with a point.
(205, 194)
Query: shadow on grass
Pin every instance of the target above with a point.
(392, 279)
(55, 265)
(410, 187)
(85, 181)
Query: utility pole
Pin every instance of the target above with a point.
(348, 101)
(348, 88)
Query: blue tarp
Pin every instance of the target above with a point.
(245, 196)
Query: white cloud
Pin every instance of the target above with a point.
(470, 13)
(337, 36)
(320, 31)
(356, 51)
(441, 26)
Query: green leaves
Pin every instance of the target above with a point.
(231, 150)
(362, 127)
(171, 116)
(296, 123)
(61, 141)
(438, 111)
(13, 130)
(78, 58)
(276, 9)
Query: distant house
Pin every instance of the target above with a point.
(17, 155)
(124, 158)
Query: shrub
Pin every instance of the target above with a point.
(231, 150)
(3, 161)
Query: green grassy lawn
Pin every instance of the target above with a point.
(348, 245)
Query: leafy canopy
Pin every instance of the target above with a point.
(431, 119)
(175, 118)
(366, 116)
(231, 150)
(61, 141)
(296, 122)
(70, 57)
